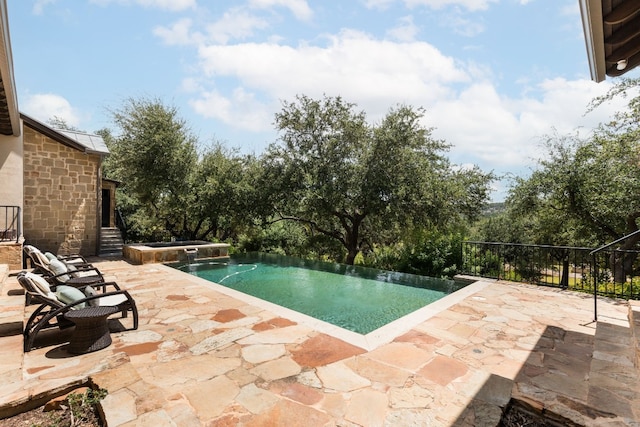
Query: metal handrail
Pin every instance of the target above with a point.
(11, 229)
(608, 245)
(595, 266)
(121, 224)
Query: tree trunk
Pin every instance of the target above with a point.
(621, 263)
(351, 241)
(564, 281)
(351, 256)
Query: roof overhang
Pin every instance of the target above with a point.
(612, 36)
(9, 114)
(89, 144)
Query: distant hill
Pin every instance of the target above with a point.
(493, 209)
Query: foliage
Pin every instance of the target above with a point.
(285, 238)
(586, 191)
(361, 185)
(80, 404)
(483, 263)
(504, 226)
(430, 253)
(172, 186)
(58, 122)
(79, 409)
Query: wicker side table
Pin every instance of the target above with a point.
(92, 331)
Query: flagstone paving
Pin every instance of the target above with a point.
(204, 358)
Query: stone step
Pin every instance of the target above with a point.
(111, 242)
(614, 383)
(634, 323)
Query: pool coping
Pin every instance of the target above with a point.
(370, 341)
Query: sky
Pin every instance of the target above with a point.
(495, 77)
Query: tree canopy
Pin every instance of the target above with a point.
(171, 183)
(586, 190)
(362, 184)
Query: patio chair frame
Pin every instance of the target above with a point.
(50, 313)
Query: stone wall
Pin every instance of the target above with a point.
(11, 255)
(61, 196)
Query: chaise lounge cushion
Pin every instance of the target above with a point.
(113, 300)
(42, 286)
(58, 267)
(68, 295)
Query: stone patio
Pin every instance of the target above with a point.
(204, 357)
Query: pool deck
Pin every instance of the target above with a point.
(204, 357)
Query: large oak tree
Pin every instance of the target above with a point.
(362, 184)
(171, 183)
(586, 190)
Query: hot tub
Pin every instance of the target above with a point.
(161, 252)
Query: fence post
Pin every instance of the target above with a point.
(595, 289)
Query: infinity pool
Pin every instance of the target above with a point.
(355, 298)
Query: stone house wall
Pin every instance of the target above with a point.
(61, 196)
(11, 254)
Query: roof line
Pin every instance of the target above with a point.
(6, 65)
(53, 134)
(591, 12)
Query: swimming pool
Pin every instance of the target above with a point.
(354, 298)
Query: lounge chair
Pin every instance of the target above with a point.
(53, 305)
(72, 270)
(40, 260)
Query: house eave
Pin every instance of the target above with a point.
(57, 136)
(9, 113)
(592, 24)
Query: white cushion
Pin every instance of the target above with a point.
(40, 284)
(111, 300)
(58, 267)
(41, 258)
(89, 292)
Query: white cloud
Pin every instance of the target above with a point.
(45, 106)
(39, 5)
(171, 5)
(241, 109)
(505, 133)
(463, 26)
(405, 31)
(299, 8)
(471, 5)
(376, 74)
(235, 24)
(179, 33)
(378, 4)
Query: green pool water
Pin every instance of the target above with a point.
(355, 298)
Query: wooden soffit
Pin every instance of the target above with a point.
(612, 35)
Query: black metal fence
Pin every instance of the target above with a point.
(611, 272)
(10, 225)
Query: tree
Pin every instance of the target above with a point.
(58, 122)
(587, 190)
(168, 186)
(360, 184)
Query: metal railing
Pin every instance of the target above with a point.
(10, 225)
(121, 225)
(567, 267)
(618, 257)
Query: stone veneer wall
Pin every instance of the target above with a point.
(11, 255)
(60, 196)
